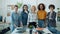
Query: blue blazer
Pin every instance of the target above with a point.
(52, 22)
(24, 17)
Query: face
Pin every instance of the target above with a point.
(51, 9)
(41, 7)
(8, 14)
(33, 8)
(25, 8)
(16, 9)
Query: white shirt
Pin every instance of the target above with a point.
(8, 19)
(50, 15)
(32, 17)
(26, 12)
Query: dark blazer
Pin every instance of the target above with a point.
(24, 17)
(52, 21)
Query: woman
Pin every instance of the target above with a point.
(32, 19)
(15, 19)
(24, 16)
(41, 16)
(52, 18)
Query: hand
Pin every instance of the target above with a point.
(47, 17)
(27, 24)
(8, 22)
(15, 25)
(21, 24)
(50, 18)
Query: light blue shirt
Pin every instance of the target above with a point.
(15, 19)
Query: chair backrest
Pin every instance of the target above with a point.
(1, 18)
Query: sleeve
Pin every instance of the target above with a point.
(12, 17)
(37, 13)
(8, 19)
(36, 18)
(21, 17)
(28, 18)
(46, 14)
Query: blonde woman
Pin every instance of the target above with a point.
(32, 18)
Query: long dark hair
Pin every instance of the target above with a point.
(23, 7)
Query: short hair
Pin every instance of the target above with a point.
(42, 5)
(16, 6)
(51, 5)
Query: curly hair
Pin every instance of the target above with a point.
(42, 5)
(51, 5)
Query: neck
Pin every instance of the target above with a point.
(51, 10)
(33, 12)
(41, 10)
(25, 10)
(16, 10)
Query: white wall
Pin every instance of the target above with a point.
(4, 3)
(0, 7)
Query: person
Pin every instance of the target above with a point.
(32, 18)
(8, 18)
(24, 16)
(15, 19)
(41, 15)
(52, 18)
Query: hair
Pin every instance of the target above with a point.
(42, 5)
(34, 7)
(51, 5)
(26, 6)
(16, 6)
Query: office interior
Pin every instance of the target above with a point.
(7, 7)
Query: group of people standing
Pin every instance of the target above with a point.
(33, 17)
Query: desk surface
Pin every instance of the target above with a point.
(3, 25)
(27, 31)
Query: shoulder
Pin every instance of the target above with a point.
(29, 14)
(45, 11)
(38, 11)
(22, 12)
(28, 11)
(12, 13)
(48, 13)
(54, 12)
(35, 12)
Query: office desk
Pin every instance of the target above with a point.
(27, 31)
(3, 25)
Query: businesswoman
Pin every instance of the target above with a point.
(24, 16)
(52, 19)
